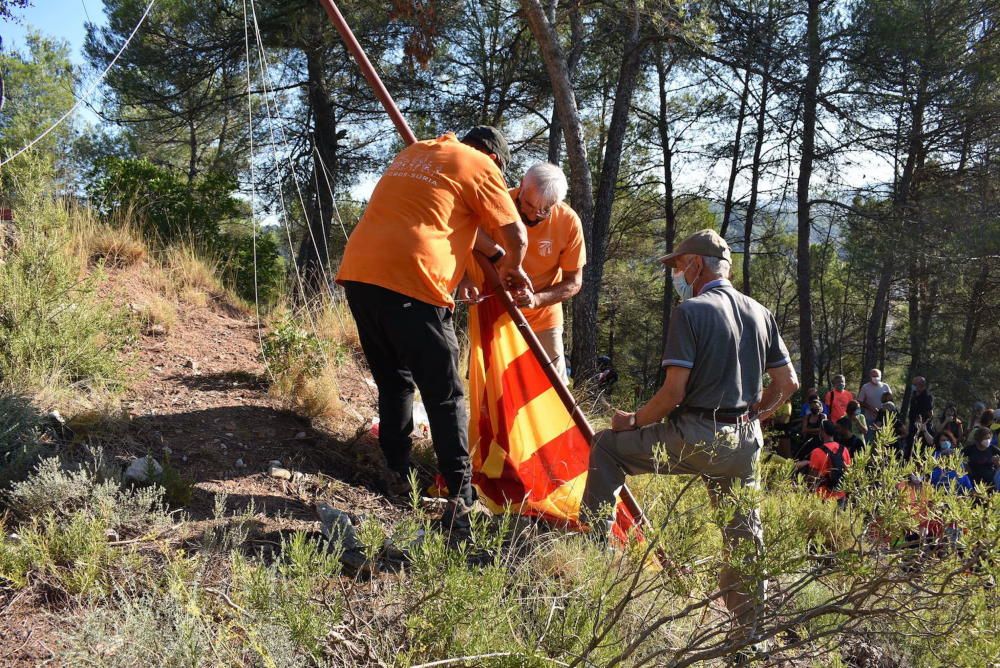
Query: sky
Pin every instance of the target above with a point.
(63, 19)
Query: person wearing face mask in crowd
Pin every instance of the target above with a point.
(887, 412)
(720, 344)
(950, 422)
(811, 395)
(838, 398)
(945, 473)
(870, 396)
(981, 458)
(984, 420)
(812, 425)
(859, 425)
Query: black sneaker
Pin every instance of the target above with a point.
(356, 564)
(752, 654)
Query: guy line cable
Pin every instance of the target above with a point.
(86, 93)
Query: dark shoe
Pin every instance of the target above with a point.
(397, 485)
(356, 564)
(752, 654)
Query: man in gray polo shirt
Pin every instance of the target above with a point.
(719, 346)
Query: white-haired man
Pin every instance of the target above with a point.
(554, 258)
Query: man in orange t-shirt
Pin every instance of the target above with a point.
(838, 398)
(555, 257)
(401, 264)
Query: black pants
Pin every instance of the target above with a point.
(408, 344)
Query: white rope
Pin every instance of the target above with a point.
(283, 141)
(97, 82)
(253, 197)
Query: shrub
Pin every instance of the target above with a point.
(55, 330)
(164, 205)
(262, 280)
(303, 374)
(19, 432)
(93, 491)
(288, 347)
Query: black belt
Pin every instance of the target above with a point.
(723, 415)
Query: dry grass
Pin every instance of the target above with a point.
(117, 244)
(115, 247)
(335, 324)
(158, 316)
(195, 297)
(316, 396)
(191, 272)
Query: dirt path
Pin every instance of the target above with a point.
(198, 399)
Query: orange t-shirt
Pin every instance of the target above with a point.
(555, 245)
(836, 401)
(821, 463)
(417, 232)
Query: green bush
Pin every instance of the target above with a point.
(19, 432)
(55, 329)
(290, 348)
(161, 202)
(263, 280)
(94, 491)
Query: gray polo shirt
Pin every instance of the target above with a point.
(727, 340)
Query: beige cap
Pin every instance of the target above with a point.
(703, 242)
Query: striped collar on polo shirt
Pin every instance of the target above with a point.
(715, 284)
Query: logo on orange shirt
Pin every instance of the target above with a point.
(545, 247)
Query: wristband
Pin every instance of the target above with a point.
(496, 256)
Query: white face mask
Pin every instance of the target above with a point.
(684, 289)
(984, 444)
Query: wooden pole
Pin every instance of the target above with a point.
(369, 71)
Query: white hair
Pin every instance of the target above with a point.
(547, 181)
(717, 266)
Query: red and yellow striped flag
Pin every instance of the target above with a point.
(527, 452)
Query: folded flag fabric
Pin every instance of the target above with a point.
(527, 452)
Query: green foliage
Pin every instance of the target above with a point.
(39, 87)
(55, 329)
(162, 203)
(19, 433)
(289, 347)
(255, 268)
(93, 490)
(177, 489)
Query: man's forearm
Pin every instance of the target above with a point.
(783, 383)
(557, 293)
(658, 407)
(515, 240)
(485, 244)
(770, 400)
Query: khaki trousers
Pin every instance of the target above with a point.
(722, 454)
(552, 344)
